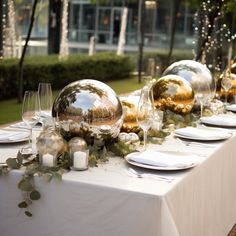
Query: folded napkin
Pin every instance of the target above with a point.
(162, 159)
(223, 119)
(202, 133)
(6, 136)
(23, 125)
(231, 107)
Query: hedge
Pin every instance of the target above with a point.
(101, 66)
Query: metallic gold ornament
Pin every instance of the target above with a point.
(130, 104)
(90, 105)
(197, 74)
(233, 68)
(174, 93)
(131, 139)
(232, 91)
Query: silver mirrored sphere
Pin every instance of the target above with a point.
(89, 105)
(197, 74)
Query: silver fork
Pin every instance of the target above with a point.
(134, 173)
(189, 143)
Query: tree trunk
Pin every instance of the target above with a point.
(20, 72)
(141, 32)
(54, 26)
(2, 12)
(174, 10)
(203, 44)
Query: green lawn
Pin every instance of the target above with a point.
(10, 110)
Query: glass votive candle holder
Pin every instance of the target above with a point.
(79, 153)
(50, 145)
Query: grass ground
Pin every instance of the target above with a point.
(10, 110)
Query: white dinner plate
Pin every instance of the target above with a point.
(231, 107)
(223, 120)
(162, 160)
(202, 133)
(13, 136)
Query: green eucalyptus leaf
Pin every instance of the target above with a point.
(25, 185)
(29, 214)
(12, 163)
(47, 177)
(35, 195)
(92, 160)
(104, 155)
(23, 205)
(19, 158)
(57, 176)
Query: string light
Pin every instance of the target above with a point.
(220, 35)
(9, 31)
(64, 49)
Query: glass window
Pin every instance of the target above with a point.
(23, 13)
(104, 19)
(88, 17)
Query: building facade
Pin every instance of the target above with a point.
(103, 20)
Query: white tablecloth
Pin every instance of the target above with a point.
(106, 201)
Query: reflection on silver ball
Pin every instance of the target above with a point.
(91, 104)
(197, 74)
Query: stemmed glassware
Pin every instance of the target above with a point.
(145, 111)
(45, 100)
(30, 112)
(203, 95)
(226, 83)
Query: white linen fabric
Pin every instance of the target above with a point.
(106, 201)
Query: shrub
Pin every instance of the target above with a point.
(101, 66)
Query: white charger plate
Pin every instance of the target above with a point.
(202, 133)
(129, 157)
(223, 120)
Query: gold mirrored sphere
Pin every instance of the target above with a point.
(130, 110)
(197, 74)
(174, 93)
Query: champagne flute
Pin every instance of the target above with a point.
(30, 111)
(45, 99)
(226, 83)
(145, 113)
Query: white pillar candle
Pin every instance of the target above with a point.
(80, 160)
(48, 160)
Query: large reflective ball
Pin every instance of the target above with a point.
(197, 74)
(233, 68)
(232, 91)
(174, 93)
(130, 104)
(89, 106)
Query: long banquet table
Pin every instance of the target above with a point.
(106, 201)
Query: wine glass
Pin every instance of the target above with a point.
(45, 100)
(30, 112)
(202, 95)
(226, 83)
(145, 113)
